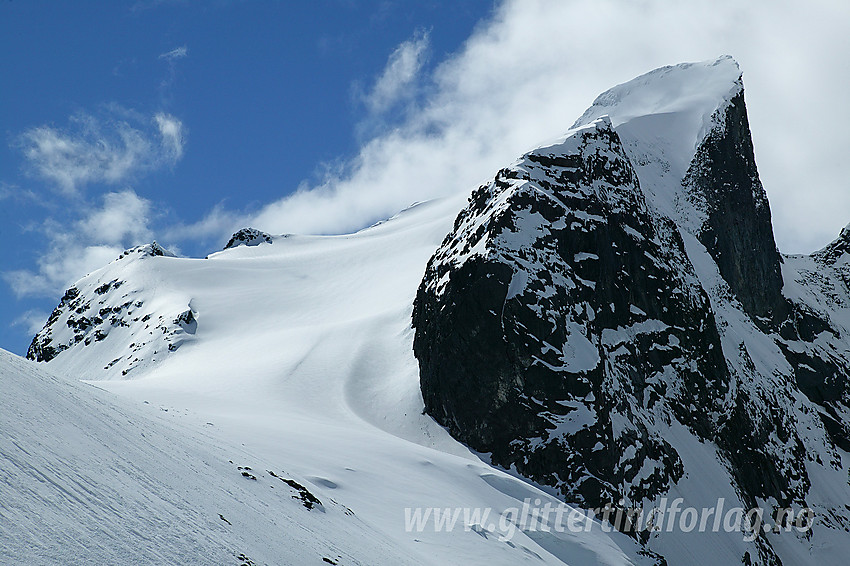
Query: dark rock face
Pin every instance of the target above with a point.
(738, 232)
(837, 251)
(42, 348)
(739, 236)
(816, 340)
(550, 321)
(248, 237)
(562, 329)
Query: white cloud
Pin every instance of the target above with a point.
(165, 86)
(171, 132)
(15, 192)
(214, 228)
(31, 321)
(124, 217)
(399, 76)
(523, 77)
(528, 73)
(104, 150)
(90, 243)
(176, 53)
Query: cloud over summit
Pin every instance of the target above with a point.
(528, 72)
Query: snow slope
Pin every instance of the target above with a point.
(89, 478)
(298, 359)
(661, 118)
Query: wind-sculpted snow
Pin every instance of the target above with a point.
(88, 478)
(300, 361)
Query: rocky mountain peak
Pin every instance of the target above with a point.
(737, 230)
(111, 314)
(614, 300)
(248, 237)
(534, 316)
(686, 131)
(147, 250)
(837, 249)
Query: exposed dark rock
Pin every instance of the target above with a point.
(90, 310)
(835, 250)
(560, 328)
(248, 237)
(187, 321)
(817, 346)
(106, 287)
(307, 499)
(148, 250)
(738, 232)
(551, 319)
(39, 351)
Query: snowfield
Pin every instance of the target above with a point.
(299, 364)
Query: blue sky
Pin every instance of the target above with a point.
(265, 95)
(183, 121)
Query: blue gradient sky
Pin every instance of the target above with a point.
(182, 121)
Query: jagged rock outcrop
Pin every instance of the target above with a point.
(248, 237)
(623, 284)
(816, 335)
(836, 252)
(147, 250)
(562, 301)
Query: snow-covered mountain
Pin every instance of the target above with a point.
(607, 322)
(292, 357)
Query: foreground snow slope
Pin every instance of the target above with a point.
(297, 352)
(88, 478)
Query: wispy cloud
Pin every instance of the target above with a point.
(176, 53)
(15, 192)
(398, 79)
(123, 218)
(121, 221)
(522, 78)
(527, 73)
(213, 229)
(109, 149)
(31, 321)
(166, 85)
(171, 133)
